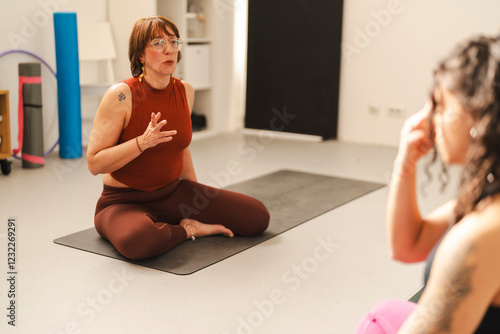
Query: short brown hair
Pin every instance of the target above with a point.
(145, 29)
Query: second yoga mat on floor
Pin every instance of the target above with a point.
(291, 197)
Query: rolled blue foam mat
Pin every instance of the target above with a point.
(68, 85)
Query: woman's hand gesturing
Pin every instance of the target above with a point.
(153, 136)
(415, 139)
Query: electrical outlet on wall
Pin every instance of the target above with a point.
(396, 111)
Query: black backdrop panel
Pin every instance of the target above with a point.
(293, 68)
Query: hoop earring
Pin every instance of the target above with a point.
(143, 72)
(473, 132)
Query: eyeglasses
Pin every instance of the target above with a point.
(160, 44)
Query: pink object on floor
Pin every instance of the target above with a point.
(386, 317)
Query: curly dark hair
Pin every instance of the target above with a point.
(472, 73)
(143, 32)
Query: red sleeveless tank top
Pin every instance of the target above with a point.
(160, 165)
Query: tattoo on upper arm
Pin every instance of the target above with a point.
(436, 314)
(121, 97)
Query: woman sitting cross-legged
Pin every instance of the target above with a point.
(140, 139)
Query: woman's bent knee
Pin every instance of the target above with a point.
(132, 248)
(258, 221)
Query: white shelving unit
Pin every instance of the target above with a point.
(194, 18)
(196, 66)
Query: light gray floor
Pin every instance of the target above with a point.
(320, 277)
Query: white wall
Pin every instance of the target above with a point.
(225, 85)
(394, 67)
(13, 18)
(28, 25)
(390, 50)
(239, 53)
(122, 22)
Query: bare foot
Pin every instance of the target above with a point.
(199, 229)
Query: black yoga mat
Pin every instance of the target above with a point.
(291, 197)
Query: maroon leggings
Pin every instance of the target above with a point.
(143, 224)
